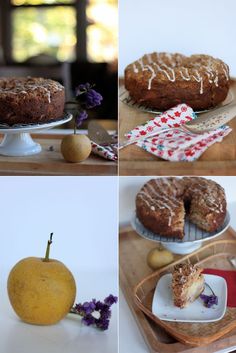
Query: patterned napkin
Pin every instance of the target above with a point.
(106, 151)
(176, 145)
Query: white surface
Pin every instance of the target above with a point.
(164, 309)
(199, 26)
(82, 213)
(130, 338)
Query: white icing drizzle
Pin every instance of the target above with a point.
(186, 77)
(149, 58)
(135, 68)
(216, 79)
(172, 79)
(175, 61)
(209, 193)
(24, 86)
(226, 71)
(198, 78)
(153, 75)
(141, 63)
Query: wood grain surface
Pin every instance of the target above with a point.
(133, 268)
(219, 159)
(51, 162)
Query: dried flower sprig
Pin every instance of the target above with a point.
(95, 312)
(209, 300)
(85, 98)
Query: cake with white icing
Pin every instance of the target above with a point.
(28, 100)
(163, 203)
(163, 80)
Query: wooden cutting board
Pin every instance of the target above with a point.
(51, 162)
(133, 268)
(219, 159)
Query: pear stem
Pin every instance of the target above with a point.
(46, 258)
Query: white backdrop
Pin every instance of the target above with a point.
(184, 26)
(82, 213)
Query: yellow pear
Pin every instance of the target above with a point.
(159, 257)
(41, 290)
(75, 148)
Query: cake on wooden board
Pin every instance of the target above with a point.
(162, 203)
(28, 100)
(163, 80)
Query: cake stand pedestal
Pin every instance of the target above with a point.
(193, 236)
(18, 142)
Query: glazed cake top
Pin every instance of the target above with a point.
(168, 193)
(172, 67)
(29, 85)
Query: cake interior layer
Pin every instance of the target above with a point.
(191, 293)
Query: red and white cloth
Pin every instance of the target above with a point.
(175, 145)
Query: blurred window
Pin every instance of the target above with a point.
(50, 27)
(102, 33)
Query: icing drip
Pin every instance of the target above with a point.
(153, 75)
(135, 68)
(186, 77)
(149, 58)
(165, 71)
(216, 79)
(198, 78)
(226, 71)
(209, 74)
(141, 63)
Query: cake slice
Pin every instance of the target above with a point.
(187, 284)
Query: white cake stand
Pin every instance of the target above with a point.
(193, 236)
(18, 142)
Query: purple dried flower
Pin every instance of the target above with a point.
(209, 300)
(87, 96)
(82, 115)
(88, 320)
(96, 313)
(83, 87)
(111, 299)
(92, 99)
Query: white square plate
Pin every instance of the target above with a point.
(164, 309)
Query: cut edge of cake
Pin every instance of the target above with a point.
(187, 284)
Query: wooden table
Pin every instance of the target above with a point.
(219, 159)
(51, 162)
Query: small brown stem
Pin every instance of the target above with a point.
(46, 258)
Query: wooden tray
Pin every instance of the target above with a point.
(213, 255)
(52, 163)
(133, 268)
(219, 159)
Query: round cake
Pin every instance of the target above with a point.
(162, 80)
(162, 203)
(30, 100)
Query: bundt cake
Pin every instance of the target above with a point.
(187, 284)
(30, 100)
(162, 203)
(163, 80)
